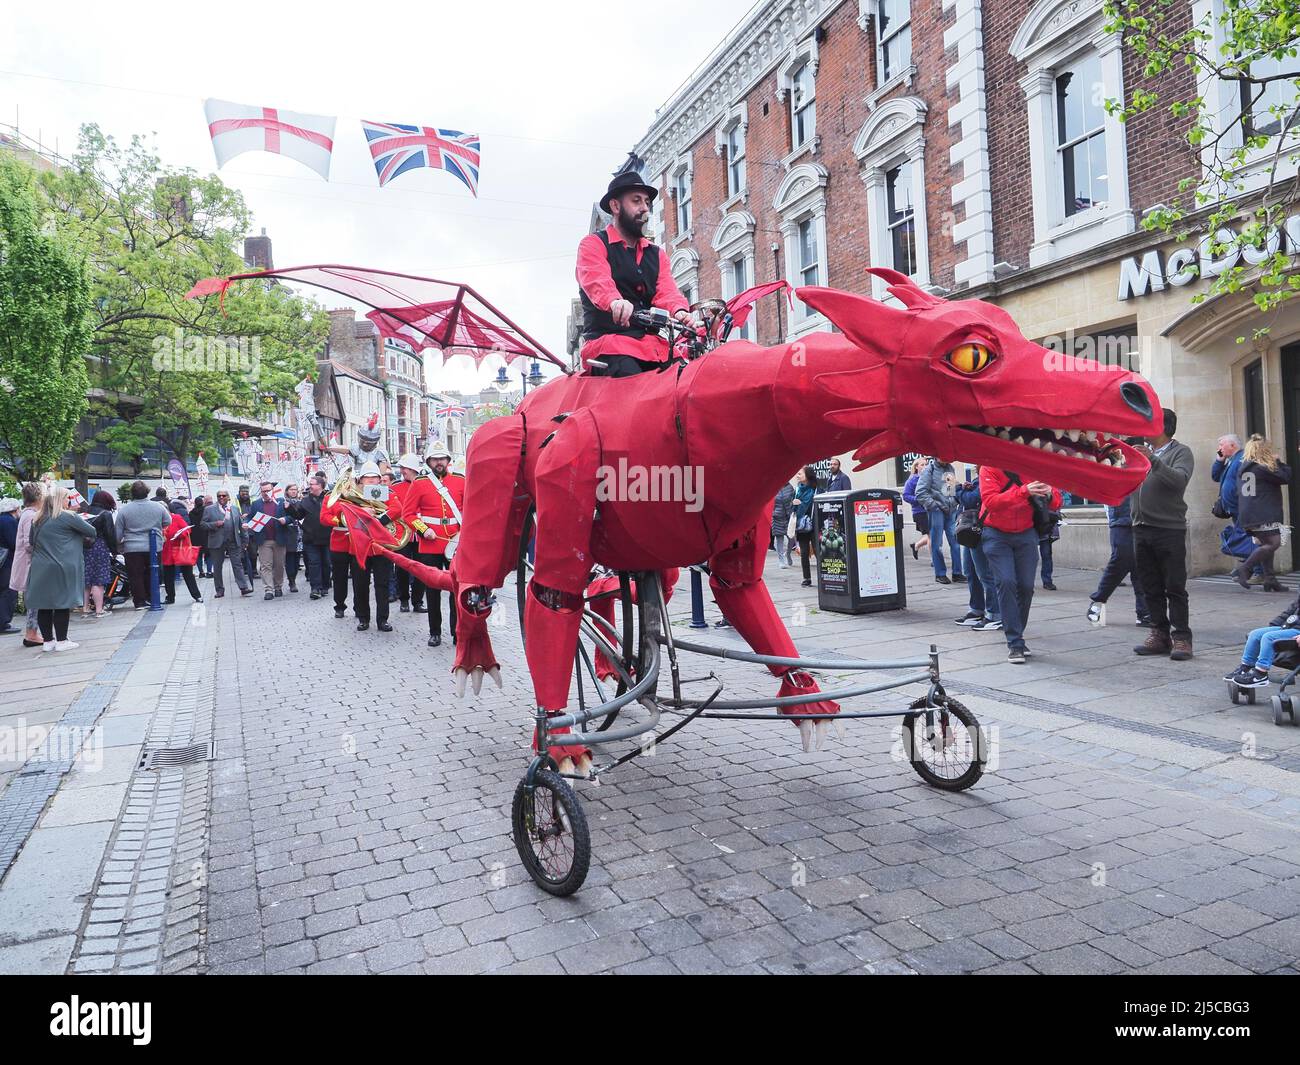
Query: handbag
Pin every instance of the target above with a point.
(1219, 510)
(4, 557)
(804, 524)
(969, 527)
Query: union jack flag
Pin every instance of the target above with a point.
(397, 148)
(452, 411)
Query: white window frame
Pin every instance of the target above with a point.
(733, 242)
(805, 53)
(685, 268)
(893, 135)
(802, 197)
(681, 177)
(736, 122)
(907, 68)
(1223, 101)
(1055, 36)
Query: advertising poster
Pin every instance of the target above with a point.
(873, 525)
(832, 552)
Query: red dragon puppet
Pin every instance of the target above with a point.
(955, 379)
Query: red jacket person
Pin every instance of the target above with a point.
(435, 517)
(620, 271)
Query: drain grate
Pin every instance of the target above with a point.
(171, 757)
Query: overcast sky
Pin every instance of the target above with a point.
(558, 92)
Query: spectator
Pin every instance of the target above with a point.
(920, 518)
(1234, 541)
(983, 612)
(135, 522)
(1045, 542)
(1259, 499)
(199, 538)
(1010, 544)
(804, 519)
(8, 543)
(33, 494)
(1121, 565)
(243, 501)
(315, 536)
(839, 482)
(1160, 542)
(1261, 647)
(293, 543)
(100, 554)
(226, 541)
(782, 508)
(936, 492)
(179, 554)
(271, 539)
(57, 580)
(160, 496)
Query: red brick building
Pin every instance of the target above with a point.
(966, 143)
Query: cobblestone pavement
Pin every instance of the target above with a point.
(1135, 820)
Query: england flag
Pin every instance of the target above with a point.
(239, 128)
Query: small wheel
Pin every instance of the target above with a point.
(1250, 696)
(1280, 713)
(1234, 693)
(945, 744)
(551, 833)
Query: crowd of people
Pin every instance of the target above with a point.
(85, 560)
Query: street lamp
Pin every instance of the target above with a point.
(533, 377)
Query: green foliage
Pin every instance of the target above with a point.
(1241, 47)
(166, 367)
(44, 330)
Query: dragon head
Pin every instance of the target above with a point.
(965, 385)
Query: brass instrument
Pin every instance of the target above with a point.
(346, 489)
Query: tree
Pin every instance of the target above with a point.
(165, 369)
(44, 330)
(1243, 157)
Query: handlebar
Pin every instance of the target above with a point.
(690, 337)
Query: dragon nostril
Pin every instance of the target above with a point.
(1136, 397)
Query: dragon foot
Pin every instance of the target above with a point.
(812, 734)
(474, 656)
(572, 759)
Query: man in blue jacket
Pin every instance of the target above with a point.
(271, 535)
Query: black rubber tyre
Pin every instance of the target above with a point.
(959, 774)
(551, 834)
(1234, 693)
(1250, 696)
(1279, 711)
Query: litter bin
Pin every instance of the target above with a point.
(856, 535)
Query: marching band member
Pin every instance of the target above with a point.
(432, 507)
(376, 570)
(410, 591)
(340, 554)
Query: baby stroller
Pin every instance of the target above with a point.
(118, 589)
(1284, 703)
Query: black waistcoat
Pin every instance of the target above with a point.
(636, 284)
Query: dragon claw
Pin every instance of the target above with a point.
(461, 677)
(841, 731)
(495, 674)
(821, 730)
(476, 679)
(566, 767)
(806, 735)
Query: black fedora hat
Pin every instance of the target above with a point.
(626, 182)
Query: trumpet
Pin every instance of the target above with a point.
(346, 489)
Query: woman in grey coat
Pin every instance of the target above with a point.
(781, 512)
(57, 580)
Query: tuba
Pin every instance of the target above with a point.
(347, 490)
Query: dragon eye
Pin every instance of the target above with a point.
(970, 358)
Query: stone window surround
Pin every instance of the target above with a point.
(734, 240)
(685, 268)
(802, 196)
(1054, 35)
(1223, 100)
(683, 164)
(805, 51)
(737, 115)
(893, 135)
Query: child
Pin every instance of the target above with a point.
(1257, 658)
